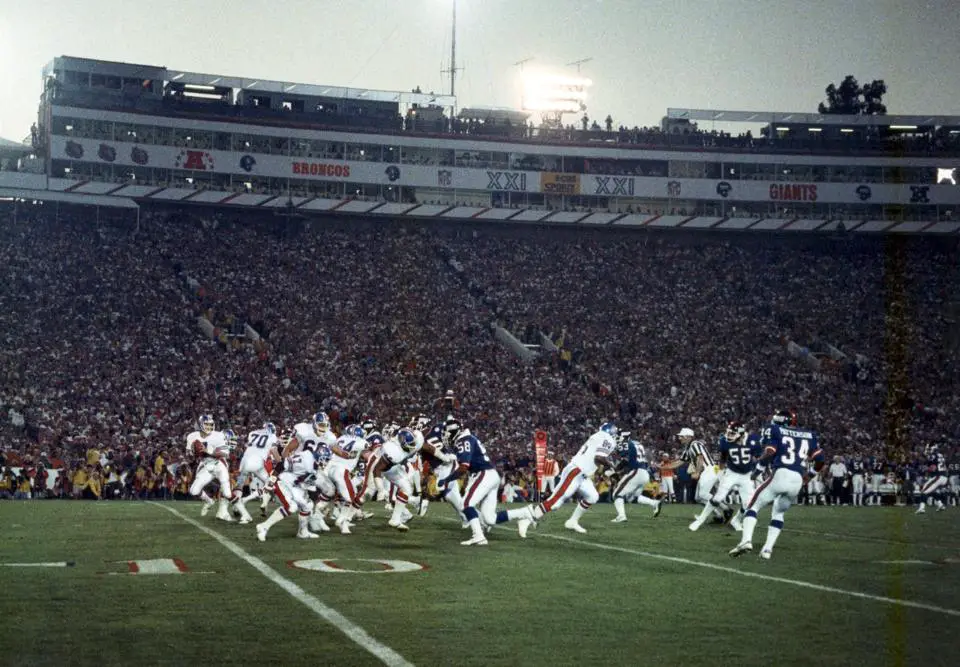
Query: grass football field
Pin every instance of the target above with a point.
(153, 583)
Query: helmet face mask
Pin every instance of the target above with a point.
(609, 428)
(368, 426)
(735, 431)
(321, 423)
(407, 439)
(206, 424)
(451, 430)
(270, 428)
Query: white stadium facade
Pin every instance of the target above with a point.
(119, 134)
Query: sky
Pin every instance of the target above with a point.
(646, 55)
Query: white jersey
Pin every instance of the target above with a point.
(351, 445)
(192, 437)
(259, 444)
(300, 468)
(600, 444)
(393, 452)
(306, 436)
(216, 445)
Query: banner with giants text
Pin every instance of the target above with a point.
(540, 450)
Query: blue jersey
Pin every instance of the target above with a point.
(739, 456)
(937, 464)
(877, 466)
(470, 452)
(791, 447)
(857, 467)
(435, 438)
(633, 454)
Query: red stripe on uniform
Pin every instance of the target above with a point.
(756, 494)
(562, 489)
(466, 501)
(278, 494)
(350, 489)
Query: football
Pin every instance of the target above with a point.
(199, 448)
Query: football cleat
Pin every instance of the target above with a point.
(475, 542)
(941, 507)
(657, 509)
(261, 532)
(695, 526)
(575, 526)
(619, 519)
(523, 525)
(424, 504)
(921, 510)
(740, 549)
(765, 554)
(205, 510)
(307, 535)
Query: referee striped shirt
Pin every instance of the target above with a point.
(697, 450)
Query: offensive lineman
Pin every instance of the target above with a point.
(576, 479)
(256, 466)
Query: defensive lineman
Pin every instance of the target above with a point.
(636, 475)
(737, 454)
(292, 492)
(937, 469)
(787, 449)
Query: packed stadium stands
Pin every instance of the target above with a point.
(102, 350)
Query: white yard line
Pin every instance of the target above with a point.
(354, 632)
(756, 575)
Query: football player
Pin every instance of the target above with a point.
(344, 456)
(315, 436)
(858, 469)
(292, 492)
(576, 478)
(214, 450)
(256, 466)
(449, 491)
(483, 484)
(197, 452)
(877, 475)
(936, 480)
(737, 454)
(406, 444)
(954, 468)
(787, 449)
(632, 462)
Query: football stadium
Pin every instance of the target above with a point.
(307, 373)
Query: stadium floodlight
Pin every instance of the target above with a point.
(197, 86)
(814, 129)
(783, 129)
(846, 130)
(554, 92)
(903, 127)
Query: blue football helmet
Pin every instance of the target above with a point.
(270, 428)
(205, 424)
(321, 423)
(407, 439)
(609, 428)
(230, 437)
(354, 430)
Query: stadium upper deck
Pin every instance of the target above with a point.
(144, 132)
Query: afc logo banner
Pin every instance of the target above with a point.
(197, 160)
(614, 186)
(247, 163)
(864, 192)
(724, 189)
(919, 194)
(393, 173)
(511, 181)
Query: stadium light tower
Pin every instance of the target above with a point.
(578, 63)
(453, 59)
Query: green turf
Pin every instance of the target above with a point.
(546, 600)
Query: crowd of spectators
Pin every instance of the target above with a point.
(102, 349)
